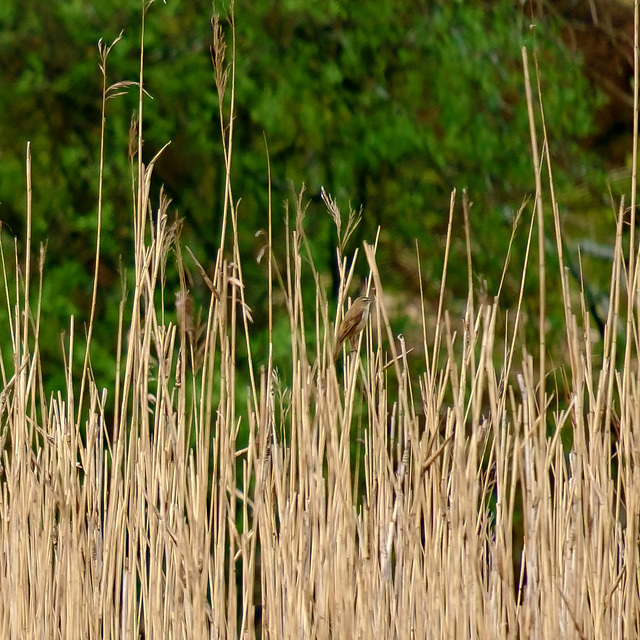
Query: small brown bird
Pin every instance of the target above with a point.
(353, 322)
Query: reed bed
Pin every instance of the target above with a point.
(376, 496)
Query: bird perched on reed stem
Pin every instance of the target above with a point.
(353, 322)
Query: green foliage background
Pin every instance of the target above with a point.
(388, 105)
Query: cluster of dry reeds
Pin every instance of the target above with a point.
(372, 499)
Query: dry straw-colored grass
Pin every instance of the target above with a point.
(156, 522)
